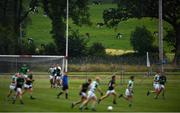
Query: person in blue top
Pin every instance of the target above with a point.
(64, 86)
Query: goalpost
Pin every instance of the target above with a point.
(36, 63)
(14, 60)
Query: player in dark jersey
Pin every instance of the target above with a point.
(58, 76)
(84, 88)
(64, 86)
(110, 91)
(162, 82)
(18, 88)
(28, 86)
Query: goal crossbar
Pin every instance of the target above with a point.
(35, 56)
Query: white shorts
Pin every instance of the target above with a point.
(110, 92)
(162, 86)
(19, 90)
(91, 94)
(156, 86)
(83, 94)
(58, 78)
(128, 92)
(12, 87)
(26, 86)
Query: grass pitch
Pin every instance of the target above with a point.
(46, 100)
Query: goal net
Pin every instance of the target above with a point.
(36, 63)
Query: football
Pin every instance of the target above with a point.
(109, 108)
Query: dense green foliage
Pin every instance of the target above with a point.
(97, 49)
(142, 40)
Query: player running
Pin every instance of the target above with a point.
(162, 82)
(28, 86)
(129, 91)
(110, 91)
(12, 86)
(52, 76)
(64, 86)
(58, 76)
(84, 88)
(18, 88)
(156, 86)
(91, 94)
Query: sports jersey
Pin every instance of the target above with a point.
(13, 78)
(23, 69)
(93, 86)
(85, 87)
(58, 71)
(19, 82)
(65, 80)
(111, 83)
(51, 70)
(162, 80)
(130, 84)
(156, 79)
(54, 71)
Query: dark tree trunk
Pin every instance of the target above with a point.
(177, 48)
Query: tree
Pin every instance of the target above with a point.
(97, 49)
(142, 40)
(77, 44)
(56, 10)
(149, 8)
(12, 14)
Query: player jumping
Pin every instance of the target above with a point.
(84, 88)
(110, 91)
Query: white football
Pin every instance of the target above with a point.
(109, 108)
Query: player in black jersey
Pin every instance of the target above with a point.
(162, 82)
(84, 88)
(110, 91)
(28, 86)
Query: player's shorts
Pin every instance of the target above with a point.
(18, 90)
(83, 94)
(12, 86)
(156, 86)
(110, 92)
(58, 77)
(64, 87)
(26, 86)
(162, 86)
(128, 92)
(91, 94)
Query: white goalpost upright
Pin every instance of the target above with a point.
(67, 34)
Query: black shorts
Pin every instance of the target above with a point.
(64, 87)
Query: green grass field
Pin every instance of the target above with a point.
(47, 102)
